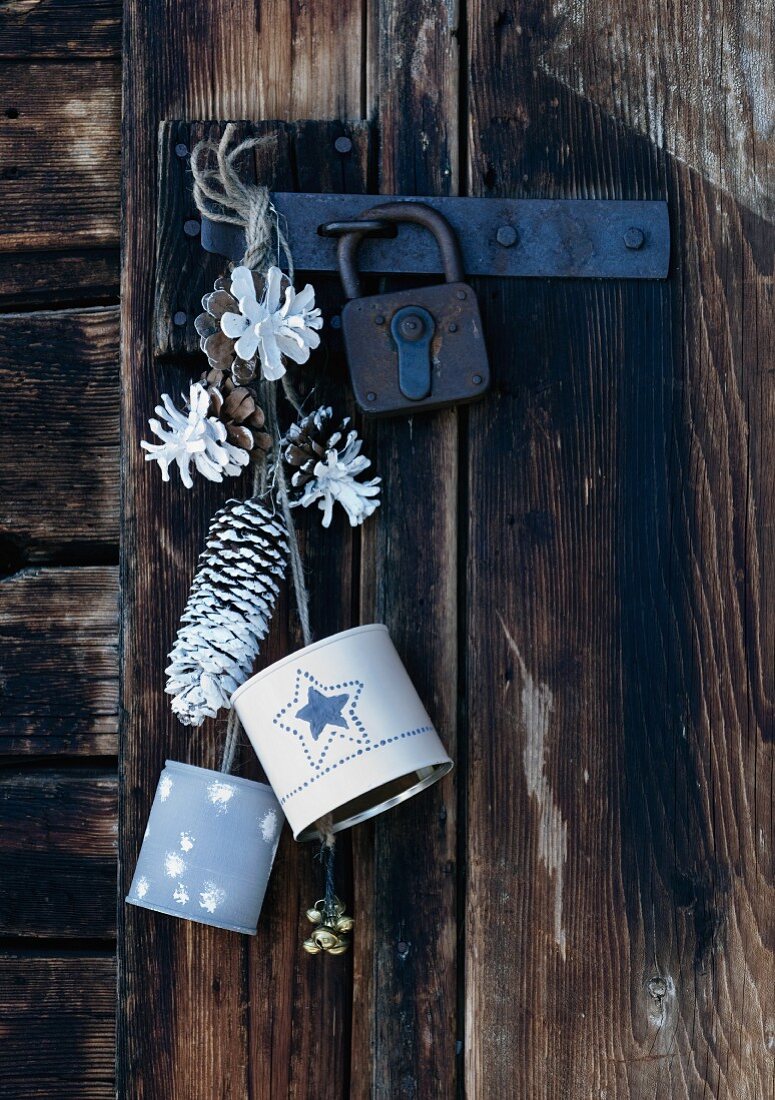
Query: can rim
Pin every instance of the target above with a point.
(226, 777)
(194, 919)
(438, 771)
(299, 653)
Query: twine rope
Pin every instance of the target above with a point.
(260, 478)
(327, 855)
(233, 730)
(280, 486)
(222, 196)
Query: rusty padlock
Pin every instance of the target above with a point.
(413, 350)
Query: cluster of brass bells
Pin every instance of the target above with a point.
(333, 929)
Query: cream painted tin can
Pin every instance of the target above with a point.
(339, 728)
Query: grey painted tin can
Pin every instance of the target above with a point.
(208, 849)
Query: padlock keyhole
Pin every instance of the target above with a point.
(412, 329)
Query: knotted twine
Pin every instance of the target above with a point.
(222, 196)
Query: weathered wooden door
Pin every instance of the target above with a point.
(577, 571)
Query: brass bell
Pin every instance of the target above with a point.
(331, 934)
(325, 938)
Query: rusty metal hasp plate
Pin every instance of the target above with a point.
(542, 238)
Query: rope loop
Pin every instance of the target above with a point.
(221, 195)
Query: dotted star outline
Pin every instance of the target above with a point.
(306, 679)
(375, 745)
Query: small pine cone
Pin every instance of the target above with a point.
(237, 407)
(307, 442)
(326, 468)
(219, 348)
(228, 610)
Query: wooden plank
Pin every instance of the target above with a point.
(48, 279)
(283, 1047)
(59, 132)
(280, 1051)
(280, 973)
(405, 1010)
(57, 1026)
(160, 1041)
(698, 816)
(57, 854)
(543, 713)
(60, 29)
(619, 880)
(182, 984)
(652, 72)
(331, 567)
(59, 662)
(184, 271)
(59, 380)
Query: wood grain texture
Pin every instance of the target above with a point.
(59, 159)
(59, 194)
(60, 29)
(697, 79)
(58, 854)
(59, 662)
(59, 452)
(223, 1024)
(405, 997)
(619, 930)
(49, 279)
(611, 500)
(57, 1026)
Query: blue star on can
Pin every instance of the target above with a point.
(323, 710)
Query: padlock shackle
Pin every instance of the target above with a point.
(416, 213)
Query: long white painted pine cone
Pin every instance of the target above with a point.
(229, 608)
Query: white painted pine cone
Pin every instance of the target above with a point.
(229, 608)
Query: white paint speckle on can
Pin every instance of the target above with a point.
(174, 864)
(180, 894)
(221, 794)
(269, 826)
(211, 897)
